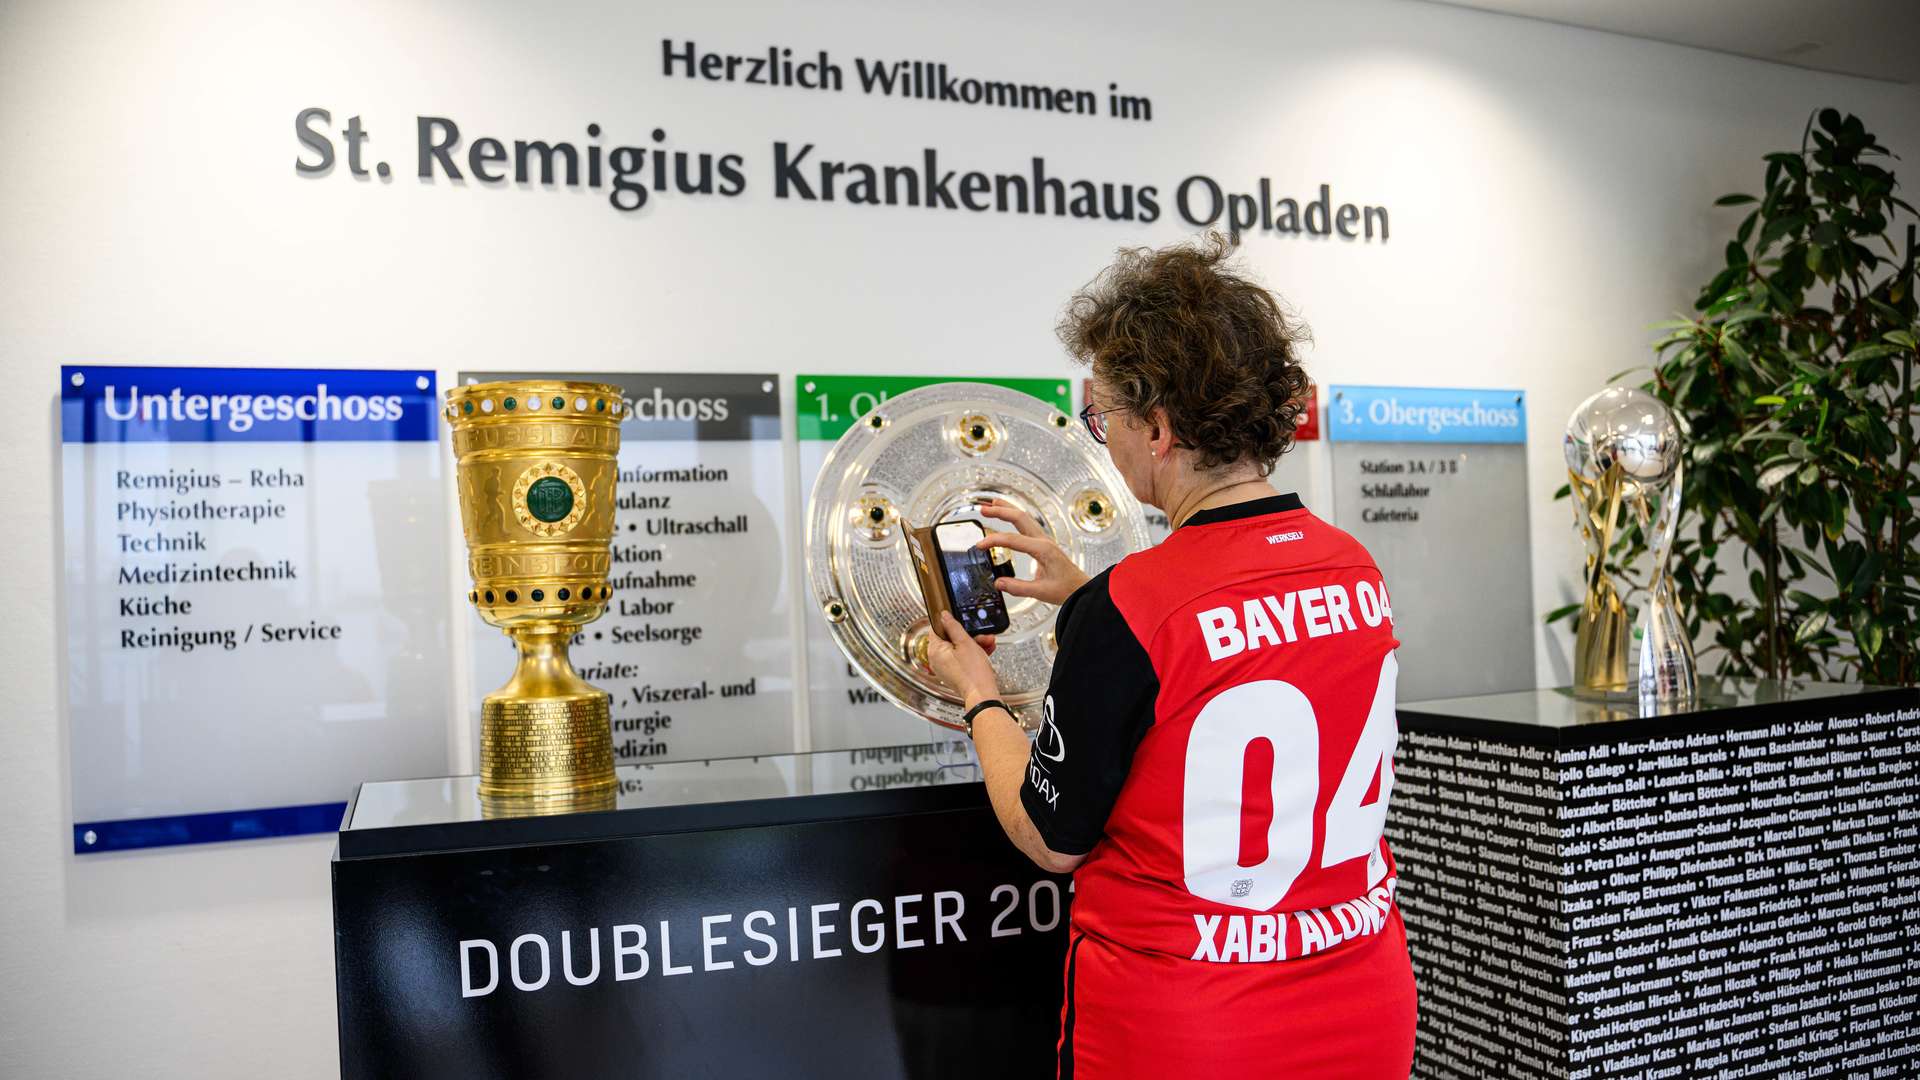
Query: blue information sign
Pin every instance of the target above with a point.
(256, 594)
(1404, 414)
(200, 404)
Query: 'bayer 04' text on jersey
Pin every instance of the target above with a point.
(1219, 736)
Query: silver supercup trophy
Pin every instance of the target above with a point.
(1623, 446)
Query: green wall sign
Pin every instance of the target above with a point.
(826, 405)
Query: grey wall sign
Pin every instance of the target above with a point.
(1434, 483)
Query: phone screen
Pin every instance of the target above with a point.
(969, 573)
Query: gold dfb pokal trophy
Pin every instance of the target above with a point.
(536, 464)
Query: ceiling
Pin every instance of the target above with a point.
(1878, 39)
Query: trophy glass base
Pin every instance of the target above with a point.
(1666, 673)
(555, 749)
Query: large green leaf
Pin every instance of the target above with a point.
(1871, 352)
(1810, 626)
(1863, 577)
(1874, 636)
(1785, 225)
(1562, 612)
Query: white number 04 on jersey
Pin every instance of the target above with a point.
(1217, 754)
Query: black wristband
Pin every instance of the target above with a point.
(990, 703)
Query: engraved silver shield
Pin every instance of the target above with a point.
(936, 453)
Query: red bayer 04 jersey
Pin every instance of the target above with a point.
(1220, 735)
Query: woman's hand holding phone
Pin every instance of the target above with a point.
(961, 661)
(1055, 577)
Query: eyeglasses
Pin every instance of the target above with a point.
(1096, 421)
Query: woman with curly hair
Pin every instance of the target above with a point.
(1217, 752)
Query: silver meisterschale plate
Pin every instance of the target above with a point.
(930, 455)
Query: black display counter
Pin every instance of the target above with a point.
(1589, 892)
(815, 915)
(1726, 890)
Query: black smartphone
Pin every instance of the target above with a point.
(969, 572)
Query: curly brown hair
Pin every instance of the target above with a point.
(1183, 330)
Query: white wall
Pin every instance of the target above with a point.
(1549, 190)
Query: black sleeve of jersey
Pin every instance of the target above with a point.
(1099, 705)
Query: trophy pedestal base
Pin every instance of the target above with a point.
(909, 939)
(1661, 891)
(546, 748)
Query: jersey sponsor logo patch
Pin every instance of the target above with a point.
(1050, 744)
(1043, 785)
